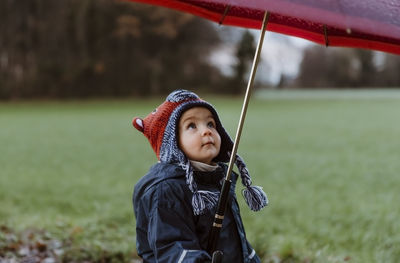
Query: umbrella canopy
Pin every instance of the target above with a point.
(369, 24)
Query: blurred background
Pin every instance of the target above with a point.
(102, 48)
(321, 135)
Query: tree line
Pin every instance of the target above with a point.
(347, 68)
(103, 48)
(85, 48)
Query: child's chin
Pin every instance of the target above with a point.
(208, 160)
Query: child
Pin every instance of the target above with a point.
(175, 201)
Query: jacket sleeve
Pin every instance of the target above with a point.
(253, 257)
(171, 228)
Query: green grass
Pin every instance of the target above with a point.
(329, 165)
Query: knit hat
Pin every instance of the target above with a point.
(161, 129)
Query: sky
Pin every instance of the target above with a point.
(280, 53)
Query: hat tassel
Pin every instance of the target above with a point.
(203, 201)
(254, 196)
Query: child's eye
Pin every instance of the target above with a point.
(211, 124)
(191, 126)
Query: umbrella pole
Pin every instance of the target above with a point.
(247, 96)
(219, 215)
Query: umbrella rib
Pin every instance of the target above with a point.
(326, 36)
(224, 14)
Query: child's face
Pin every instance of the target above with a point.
(198, 136)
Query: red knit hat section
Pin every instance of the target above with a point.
(153, 125)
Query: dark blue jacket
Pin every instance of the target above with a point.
(168, 231)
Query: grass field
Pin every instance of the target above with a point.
(329, 164)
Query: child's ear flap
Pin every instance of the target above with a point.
(138, 124)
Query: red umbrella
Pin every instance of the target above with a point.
(371, 24)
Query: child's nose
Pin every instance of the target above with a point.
(207, 131)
